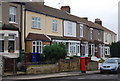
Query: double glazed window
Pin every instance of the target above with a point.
(35, 22)
(11, 43)
(81, 30)
(12, 12)
(1, 42)
(54, 25)
(37, 46)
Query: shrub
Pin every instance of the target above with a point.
(55, 52)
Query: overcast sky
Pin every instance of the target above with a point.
(106, 10)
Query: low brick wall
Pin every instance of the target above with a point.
(45, 68)
(69, 65)
(63, 65)
(92, 66)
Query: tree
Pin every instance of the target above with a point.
(55, 52)
(115, 49)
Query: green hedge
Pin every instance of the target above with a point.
(115, 49)
(55, 52)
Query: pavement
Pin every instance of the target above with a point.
(43, 76)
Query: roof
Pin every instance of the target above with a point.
(104, 28)
(49, 11)
(9, 27)
(34, 36)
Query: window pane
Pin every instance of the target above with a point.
(12, 14)
(37, 43)
(11, 36)
(70, 28)
(54, 26)
(33, 49)
(2, 46)
(11, 46)
(37, 49)
(33, 43)
(1, 36)
(90, 50)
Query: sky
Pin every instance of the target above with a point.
(106, 10)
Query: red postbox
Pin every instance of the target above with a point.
(82, 65)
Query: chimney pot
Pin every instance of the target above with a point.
(98, 21)
(65, 8)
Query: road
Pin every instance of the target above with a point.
(92, 77)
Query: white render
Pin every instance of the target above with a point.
(66, 29)
(109, 37)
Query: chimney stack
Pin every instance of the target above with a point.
(65, 8)
(98, 21)
(86, 18)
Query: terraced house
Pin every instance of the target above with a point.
(44, 25)
(109, 37)
(10, 24)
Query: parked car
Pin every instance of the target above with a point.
(110, 65)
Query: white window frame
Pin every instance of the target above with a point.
(13, 14)
(36, 22)
(54, 25)
(91, 33)
(108, 50)
(35, 45)
(69, 32)
(81, 30)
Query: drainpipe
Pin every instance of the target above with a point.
(20, 31)
(24, 25)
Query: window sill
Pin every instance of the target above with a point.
(36, 28)
(55, 32)
(12, 22)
